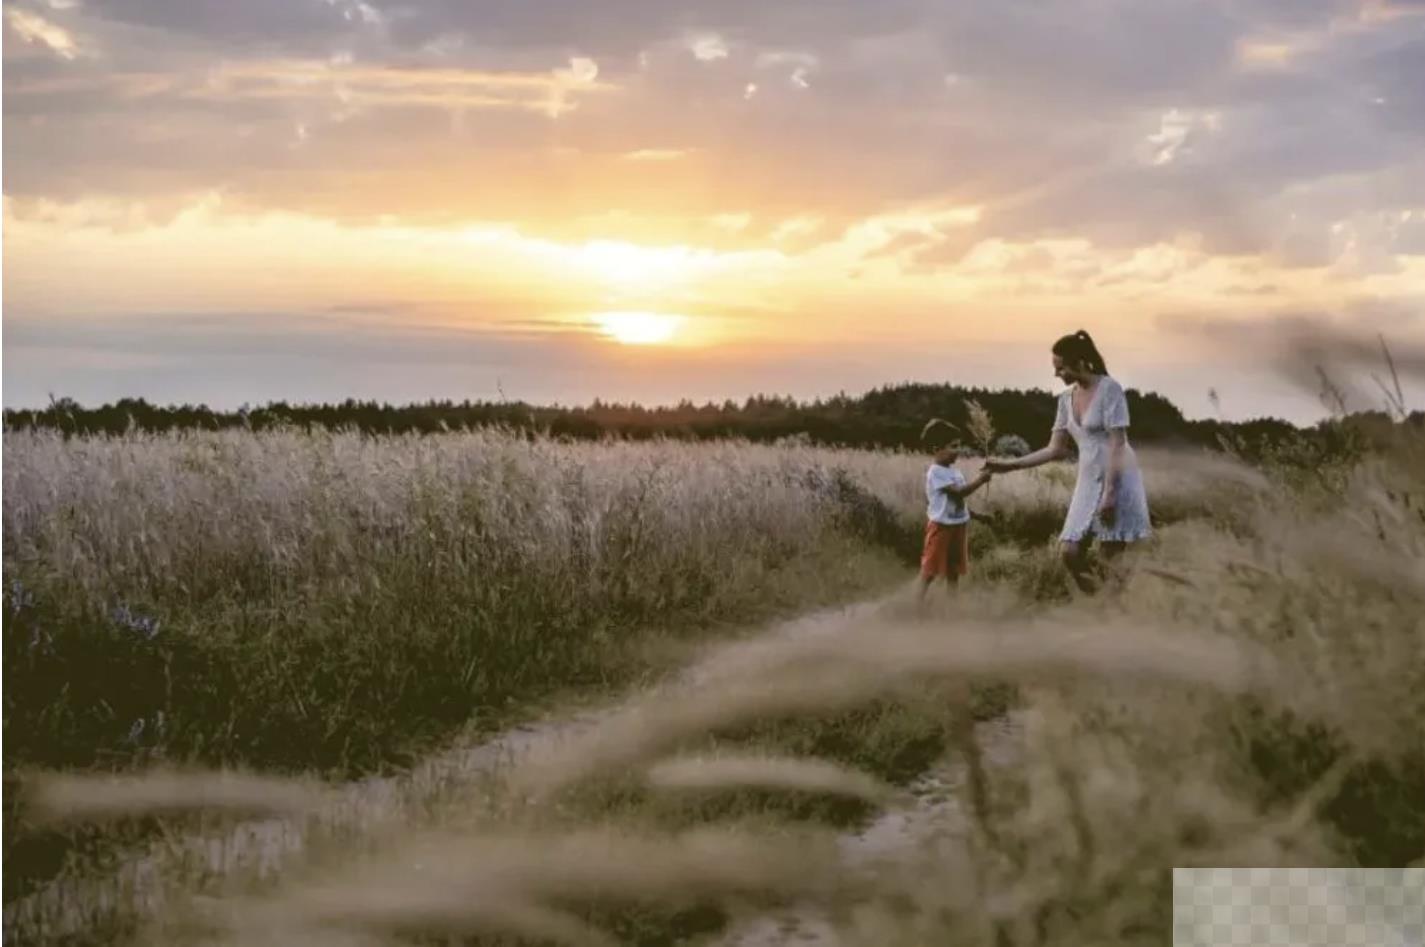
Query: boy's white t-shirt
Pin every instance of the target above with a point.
(943, 508)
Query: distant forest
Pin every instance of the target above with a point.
(888, 417)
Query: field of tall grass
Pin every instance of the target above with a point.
(1248, 690)
(342, 604)
(328, 600)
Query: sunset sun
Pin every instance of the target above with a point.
(638, 328)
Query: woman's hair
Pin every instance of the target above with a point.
(1078, 348)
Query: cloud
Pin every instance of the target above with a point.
(655, 154)
(34, 30)
(1338, 356)
(357, 11)
(225, 359)
(1174, 134)
(1061, 124)
(709, 47)
(273, 23)
(620, 29)
(581, 71)
(335, 81)
(394, 334)
(1246, 158)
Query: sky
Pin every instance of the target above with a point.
(558, 200)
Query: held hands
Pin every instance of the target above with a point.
(992, 467)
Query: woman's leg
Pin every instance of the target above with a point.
(1112, 569)
(1076, 560)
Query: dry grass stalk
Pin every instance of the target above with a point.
(721, 773)
(981, 425)
(839, 671)
(58, 797)
(513, 883)
(654, 727)
(1112, 651)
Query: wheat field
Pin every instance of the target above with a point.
(296, 614)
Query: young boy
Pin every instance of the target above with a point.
(947, 527)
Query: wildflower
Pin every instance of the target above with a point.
(20, 597)
(143, 625)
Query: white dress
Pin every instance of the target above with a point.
(1107, 410)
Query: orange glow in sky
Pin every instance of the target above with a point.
(355, 203)
(638, 328)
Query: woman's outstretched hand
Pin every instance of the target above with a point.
(997, 466)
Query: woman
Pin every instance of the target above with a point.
(1109, 503)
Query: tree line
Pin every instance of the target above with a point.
(888, 417)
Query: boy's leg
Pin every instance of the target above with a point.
(931, 564)
(956, 557)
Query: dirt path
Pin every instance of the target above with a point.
(175, 868)
(933, 813)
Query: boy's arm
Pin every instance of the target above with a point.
(962, 491)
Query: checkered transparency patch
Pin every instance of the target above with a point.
(1299, 907)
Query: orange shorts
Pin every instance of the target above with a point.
(947, 550)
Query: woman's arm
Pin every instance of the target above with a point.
(1117, 456)
(1116, 420)
(1058, 448)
